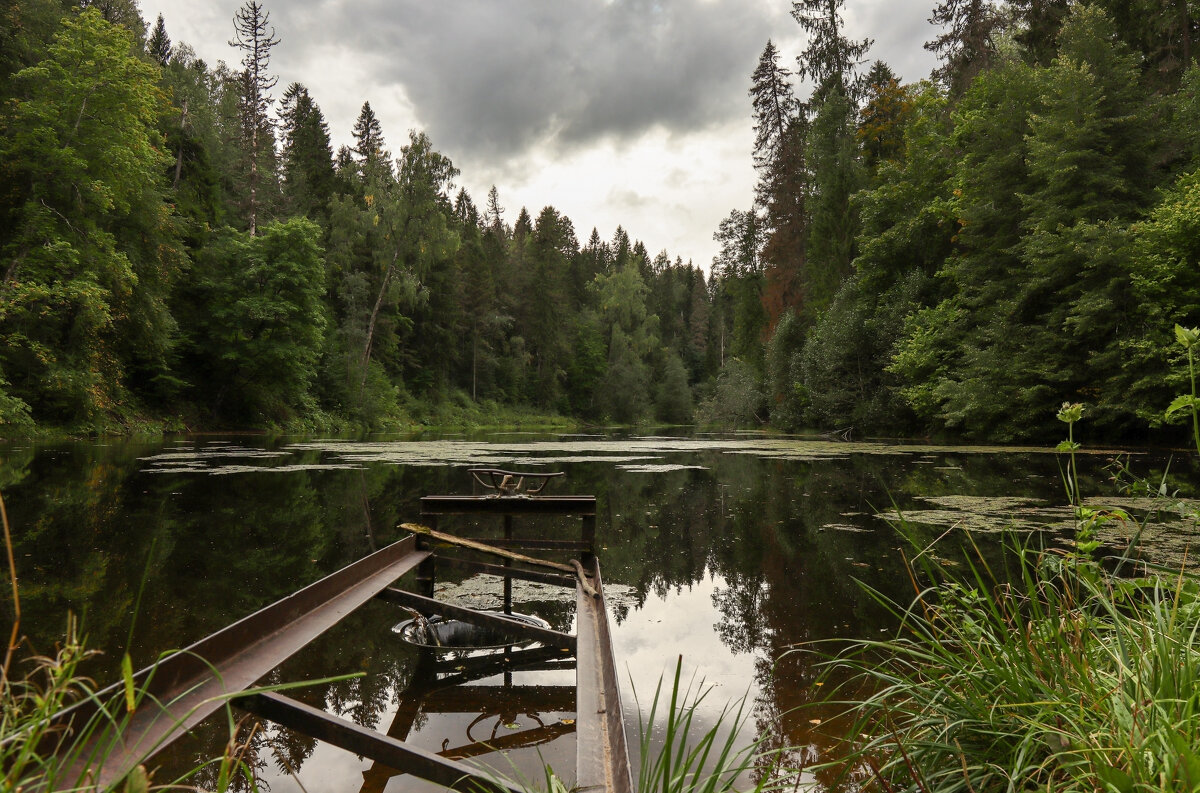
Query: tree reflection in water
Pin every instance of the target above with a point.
(733, 562)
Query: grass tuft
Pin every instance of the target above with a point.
(1057, 677)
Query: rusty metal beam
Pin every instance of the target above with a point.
(555, 579)
(189, 685)
(508, 505)
(602, 753)
(514, 627)
(368, 743)
(478, 667)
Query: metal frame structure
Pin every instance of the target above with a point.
(107, 741)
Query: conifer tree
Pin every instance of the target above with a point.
(308, 172)
(159, 45)
(965, 46)
(552, 246)
(495, 213)
(836, 174)
(781, 188)
(253, 34)
(881, 120)
(830, 59)
(1039, 22)
(368, 136)
(774, 106)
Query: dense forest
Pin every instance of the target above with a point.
(181, 246)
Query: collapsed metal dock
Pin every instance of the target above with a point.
(101, 739)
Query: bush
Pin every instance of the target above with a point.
(737, 399)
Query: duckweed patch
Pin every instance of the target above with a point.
(486, 593)
(216, 457)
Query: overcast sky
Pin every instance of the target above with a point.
(630, 112)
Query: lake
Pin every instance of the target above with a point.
(733, 552)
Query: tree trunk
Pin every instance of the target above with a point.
(179, 157)
(254, 177)
(366, 356)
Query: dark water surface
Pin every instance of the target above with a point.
(726, 550)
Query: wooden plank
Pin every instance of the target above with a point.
(430, 606)
(534, 543)
(368, 743)
(417, 528)
(602, 753)
(187, 686)
(508, 505)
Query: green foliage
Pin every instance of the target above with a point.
(971, 255)
(258, 339)
(307, 157)
(833, 157)
(1063, 680)
(14, 412)
(632, 335)
(784, 378)
(1164, 264)
(922, 355)
(1188, 338)
(672, 396)
(843, 370)
(737, 399)
(588, 365)
(842, 366)
(1055, 165)
(87, 244)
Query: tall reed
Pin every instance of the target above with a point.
(1052, 675)
(1061, 679)
(36, 754)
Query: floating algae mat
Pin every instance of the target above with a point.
(1165, 531)
(643, 454)
(484, 592)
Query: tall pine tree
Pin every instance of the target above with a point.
(309, 180)
(830, 59)
(254, 36)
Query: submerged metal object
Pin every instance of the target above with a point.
(220, 669)
(513, 483)
(449, 635)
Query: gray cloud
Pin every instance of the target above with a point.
(494, 78)
(900, 28)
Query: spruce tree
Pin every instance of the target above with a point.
(494, 219)
(159, 45)
(836, 174)
(830, 59)
(1038, 24)
(309, 179)
(774, 106)
(966, 44)
(781, 188)
(881, 120)
(253, 34)
(368, 136)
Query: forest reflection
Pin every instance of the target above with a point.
(746, 563)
